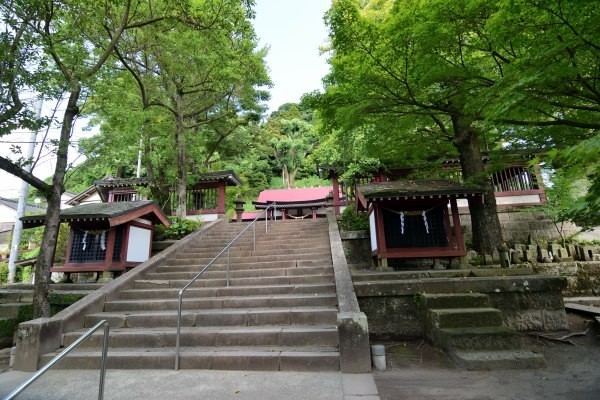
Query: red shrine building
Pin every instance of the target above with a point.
(107, 237)
(299, 203)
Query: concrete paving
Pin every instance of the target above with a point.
(193, 384)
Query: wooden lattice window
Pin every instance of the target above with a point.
(412, 229)
(88, 246)
(514, 179)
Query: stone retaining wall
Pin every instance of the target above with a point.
(583, 277)
(527, 302)
(520, 226)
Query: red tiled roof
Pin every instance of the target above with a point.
(294, 195)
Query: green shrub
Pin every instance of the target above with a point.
(351, 221)
(178, 229)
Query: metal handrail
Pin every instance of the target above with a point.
(64, 353)
(226, 248)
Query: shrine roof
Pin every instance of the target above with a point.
(112, 182)
(416, 188)
(227, 176)
(294, 195)
(107, 213)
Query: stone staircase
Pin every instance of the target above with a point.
(472, 333)
(278, 313)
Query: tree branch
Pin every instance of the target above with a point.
(13, 169)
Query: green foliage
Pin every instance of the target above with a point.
(21, 275)
(291, 145)
(311, 181)
(577, 162)
(351, 221)
(34, 235)
(178, 229)
(3, 272)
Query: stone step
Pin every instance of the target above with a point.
(454, 300)
(250, 273)
(227, 291)
(299, 300)
(275, 280)
(270, 241)
(449, 273)
(221, 265)
(316, 335)
(262, 237)
(315, 256)
(493, 360)
(478, 338)
(227, 358)
(284, 316)
(463, 317)
(249, 252)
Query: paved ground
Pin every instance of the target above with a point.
(213, 385)
(415, 371)
(418, 372)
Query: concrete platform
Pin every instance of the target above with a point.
(197, 384)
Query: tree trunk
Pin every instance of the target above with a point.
(285, 176)
(181, 160)
(292, 178)
(41, 306)
(487, 232)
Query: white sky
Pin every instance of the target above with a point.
(292, 29)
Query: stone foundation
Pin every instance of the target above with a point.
(357, 249)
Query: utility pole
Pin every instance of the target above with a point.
(18, 228)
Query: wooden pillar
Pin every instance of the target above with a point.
(448, 229)
(221, 193)
(110, 246)
(460, 242)
(70, 243)
(314, 212)
(336, 195)
(283, 214)
(381, 243)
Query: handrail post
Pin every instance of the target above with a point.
(178, 330)
(103, 362)
(228, 248)
(228, 264)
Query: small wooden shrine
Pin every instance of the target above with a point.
(414, 219)
(107, 237)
